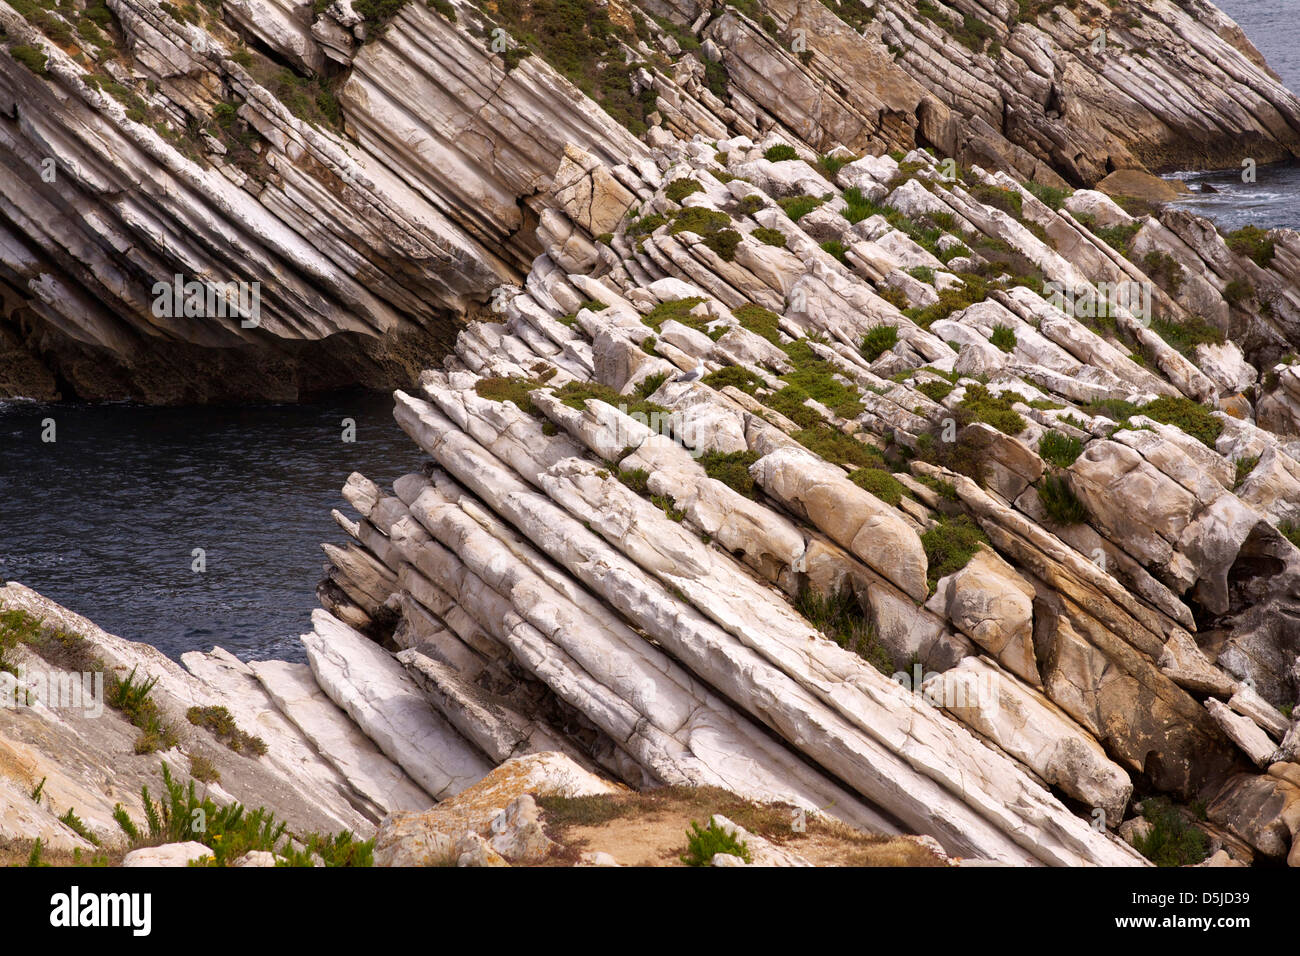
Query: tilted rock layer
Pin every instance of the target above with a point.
(378, 181)
(788, 457)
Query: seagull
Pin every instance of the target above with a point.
(690, 376)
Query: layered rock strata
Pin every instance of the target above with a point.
(377, 181)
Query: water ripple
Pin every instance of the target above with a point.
(104, 520)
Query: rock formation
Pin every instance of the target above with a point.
(379, 170)
(913, 486)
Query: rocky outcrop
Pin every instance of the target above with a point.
(346, 194)
(1103, 556)
(822, 479)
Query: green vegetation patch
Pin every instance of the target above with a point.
(1172, 841)
(1059, 449)
(1195, 419)
(732, 469)
(1050, 196)
(30, 57)
(796, 207)
(841, 618)
(678, 310)
(1120, 237)
(735, 375)
(703, 843)
(780, 153)
(310, 100)
(1165, 269)
(1008, 200)
(760, 321)
(837, 249)
(1238, 292)
(16, 627)
(578, 39)
(638, 479)
(679, 189)
(1244, 467)
(221, 724)
(935, 390)
(831, 165)
(815, 378)
(505, 389)
(994, 410)
(576, 394)
(1004, 337)
(878, 341)
(1059, 501)
(952, 299)
(710, 225)
(645, 225)
(880, 483)
(950, 545)
(133, 698)
(1185, 336)
(970, 32)
(230, 831)
(1253, 242)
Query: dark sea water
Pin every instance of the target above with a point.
(105, 519)
(1273, 201)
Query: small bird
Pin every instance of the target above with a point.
(690, 376)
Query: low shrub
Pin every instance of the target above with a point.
(760, 321)
(796, 207)
(1238, 292)
(30, 57)
(841, 618)
(880, 483)
(1050, 196)
(950, 545)
(1253, 242)
(1059, 449)
(1171, 841)
(837, 249)
(703, 843)
(679, 189)
(1193, 418)
(734, 375)
(221, 724)
(878, 341)
(994, 410)
(935, 390)
(732, 469)
(1004, 337)
(1059, 501)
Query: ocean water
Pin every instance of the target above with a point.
(105, 519)
(1273, 201)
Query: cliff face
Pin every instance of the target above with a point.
(378, 180)
(960, 504)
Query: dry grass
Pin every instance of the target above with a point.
(649, 829)
(18, 852)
